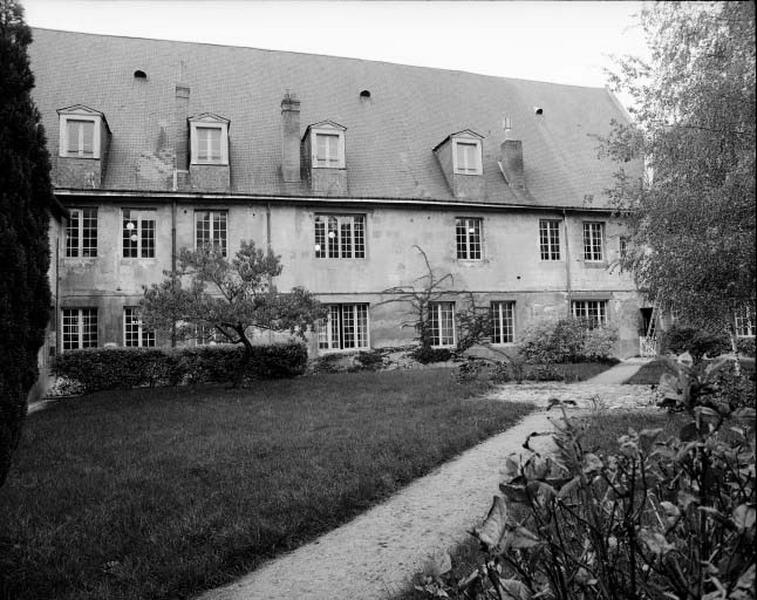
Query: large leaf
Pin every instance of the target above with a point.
(655, 541)
(493, 527)
(744, 517)
(514, 590)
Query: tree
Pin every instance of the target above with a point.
(692, 214)
(25, 197)
(231, 297)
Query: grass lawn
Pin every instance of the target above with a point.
(573, 372)
(650, 373)
(163, 493)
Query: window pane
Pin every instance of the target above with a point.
(549, 239)
(503, 322)
(89, 232)
(345, 327)
(442, 321)
(88, 138)
(72, 133)
(148, 238)
(72, 233)
(130, 236)
(320, 238)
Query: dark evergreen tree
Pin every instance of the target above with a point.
(25, 198)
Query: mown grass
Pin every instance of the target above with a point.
(573, 372)
(164, 493)
(650, 373)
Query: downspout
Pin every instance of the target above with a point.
(173, 248)
(58, 343)
(568, 284)
(268, 225)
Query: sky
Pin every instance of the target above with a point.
(560, 42)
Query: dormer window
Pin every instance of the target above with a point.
(327, 145)
(80, 132)
(209, 135)
(467, 156)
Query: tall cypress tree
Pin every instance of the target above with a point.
(25, 198)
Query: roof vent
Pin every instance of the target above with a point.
(365, 95)
(139, 74)
(538, 110)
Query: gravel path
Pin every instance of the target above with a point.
(377, 554)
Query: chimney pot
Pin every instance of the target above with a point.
(290, 138)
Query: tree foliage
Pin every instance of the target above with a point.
(25, 197)
(209, 292)
(693, 212)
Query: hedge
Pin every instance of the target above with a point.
(123, 368)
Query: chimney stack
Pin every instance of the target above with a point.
(512, 163)
(290, 138)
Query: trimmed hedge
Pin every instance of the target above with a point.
(123, 368)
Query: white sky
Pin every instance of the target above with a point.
(561, 42)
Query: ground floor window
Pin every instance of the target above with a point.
(592, 312)
(345, 326)
(503, 322)
(78, 328)
(745, 321)
(134, 333)
(442, 321)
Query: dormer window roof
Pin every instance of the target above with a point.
(209, 139)
(81, 132)
(467, 152)
(327, 145)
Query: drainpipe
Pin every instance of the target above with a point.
(173, 253)
(58, 344)
(268, 224)
(568, 285)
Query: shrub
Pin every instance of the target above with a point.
(745, 346)
(544, 372)
(426, 355)
(697, 342)
(373, 360)
(123, 368)
(598, 344)
(567, 340)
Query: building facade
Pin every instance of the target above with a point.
(343, 167)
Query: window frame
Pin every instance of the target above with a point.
(548, 248)
(592, 241)
(744, 321)
(78, 250)
(223, 127)
(83, 330)
(464, 242)
(64, 119)
(322, 228)
(341, 160)
(503, 324)
(145, 338)
(330, 332)
(139, 224)
(602, 312)
(478, 168)
(436, 321)
(222, 230)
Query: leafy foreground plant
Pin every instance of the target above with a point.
(656, 519)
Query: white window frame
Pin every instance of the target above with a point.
(194, 141)
(437, 315)
(503, 323)
(469, 244)
(582, 309)
(547, 246)
(145, 338)
(75, 246)
(96, 135)
(330, 332)
(78, 323)
(466, 169)
(744, 322)
(322, 228)
(340, 161)
(219, 235)
(137, 216)
(590, 239)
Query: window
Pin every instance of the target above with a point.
(79, 328)
(345, 326)
(80, 138)
(210, 230)
(80, 131)
(549, 239)
(340, 236)
(468, 237)
(745, 321)
(208, 335)
(467, 157)
(593, 241)
(592, 312)
(134, 333)
(503, 330)
(442, 320)
(81, 232)
(208, 144)
(209, 139)
(327, 145)
(139, 233)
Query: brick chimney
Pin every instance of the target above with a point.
(512, 163)
(290, 138)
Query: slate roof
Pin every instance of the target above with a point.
(389, 137)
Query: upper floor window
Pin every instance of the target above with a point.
(503, 322)
(210, 230)
(209, 139)
(78, 328)
(592, 312)
(442, 321)
(745, 321)
(327, 145)
(466, 156)
(81, 232)
(80, 132)
(134, 333)
(340, 236)
(138, 233)
(594, 241)
(468, 238)
(549, 239)
(345, 326)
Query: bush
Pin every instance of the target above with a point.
(697, 342)
(745, 346)
(598, 344)
(426, 355)
(372, 360)
(123, 368)
(567, 340)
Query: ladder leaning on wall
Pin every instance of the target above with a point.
(648, 343)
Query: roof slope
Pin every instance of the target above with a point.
(389, 138)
